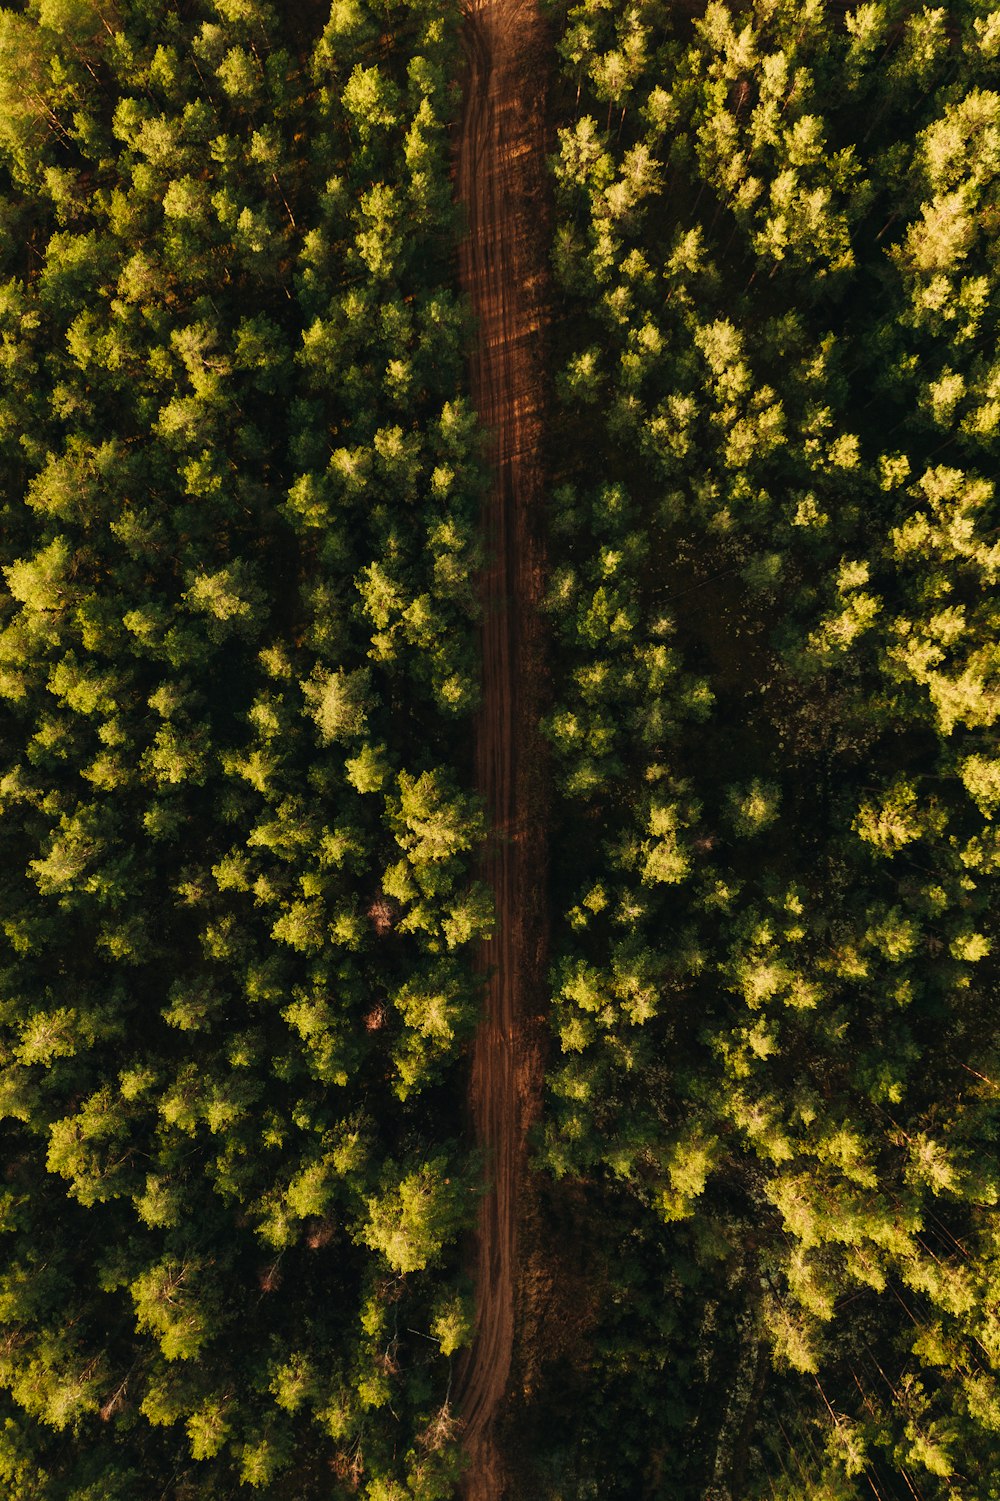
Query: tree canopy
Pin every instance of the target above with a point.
(774, 732)
(237, 660)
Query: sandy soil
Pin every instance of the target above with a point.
(500, 181)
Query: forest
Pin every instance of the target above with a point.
(244, 923)
(773, 727)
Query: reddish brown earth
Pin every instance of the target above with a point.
(500, 182)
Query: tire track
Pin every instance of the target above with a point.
(500, 182)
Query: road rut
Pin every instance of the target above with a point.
(501, 184)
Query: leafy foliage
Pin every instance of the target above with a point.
(237, 662)
(774, 730)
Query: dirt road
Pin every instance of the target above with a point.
(500, 181)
